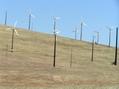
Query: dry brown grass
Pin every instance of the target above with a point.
(30, 65)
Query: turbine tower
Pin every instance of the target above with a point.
(75, 32)
(110, 30)
(5, 23)
(14, 31)
(97, 33)
(81, 33)
(30, 16)
(55, 40)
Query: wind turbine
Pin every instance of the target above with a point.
(97, 33)
(110, 30)
(12, 35)
(6, 15)
(75, 32)
(81, 33)
(93, 44)
(30, 19)
(55, 40)
(116, 48)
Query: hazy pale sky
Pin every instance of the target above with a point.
(97, 14)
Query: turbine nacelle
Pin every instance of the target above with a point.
(13, 28)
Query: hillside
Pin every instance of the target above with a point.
(30, 65)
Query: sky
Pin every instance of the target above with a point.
(97, 15)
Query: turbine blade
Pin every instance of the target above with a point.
(33, 16)
(57, 18)
(16, 32)
(57, 31)
(84, 24)
(15, 23)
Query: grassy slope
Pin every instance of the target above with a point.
(31, 63)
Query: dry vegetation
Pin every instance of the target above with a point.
(30, 65)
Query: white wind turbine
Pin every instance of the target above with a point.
(55, 39)
(110, 33)
(14, 31)
(97, 36)
(75, 32)
(81, 25)
(30, 16)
